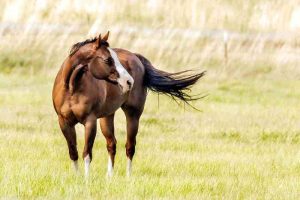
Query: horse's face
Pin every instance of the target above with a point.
(106, 65)
(102, 65)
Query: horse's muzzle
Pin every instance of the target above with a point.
(126, 84)
(113, 81)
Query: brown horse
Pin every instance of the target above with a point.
(95, 80)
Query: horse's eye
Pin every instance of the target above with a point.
(109, 61)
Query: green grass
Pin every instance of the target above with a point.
(243, 145)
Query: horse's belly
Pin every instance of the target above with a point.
(108, 109)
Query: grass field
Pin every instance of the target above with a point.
(244, 144)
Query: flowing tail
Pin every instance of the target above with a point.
(176, 85)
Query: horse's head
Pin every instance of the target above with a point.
(105, 65)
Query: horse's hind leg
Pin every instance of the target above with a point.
(132, 118)
(107, 128)
(70, 135)
(89, 138)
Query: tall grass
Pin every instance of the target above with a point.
(173, 34)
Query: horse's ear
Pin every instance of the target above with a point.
(105, 38)
(98, 41)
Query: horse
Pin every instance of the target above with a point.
(95, 80)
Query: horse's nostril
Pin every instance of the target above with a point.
(129, 83)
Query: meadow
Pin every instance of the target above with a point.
(243, 144)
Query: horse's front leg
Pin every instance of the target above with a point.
(90, 134)
(107, 128)
(70, 135)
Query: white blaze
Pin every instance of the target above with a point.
(124, 75)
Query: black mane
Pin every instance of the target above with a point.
(76, 46)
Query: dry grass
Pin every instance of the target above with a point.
(173, 34)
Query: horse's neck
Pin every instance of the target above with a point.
(73, 77)
(66, 71)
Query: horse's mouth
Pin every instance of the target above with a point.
(117, 82)
(113, 81)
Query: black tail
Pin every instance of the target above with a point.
(173, 84)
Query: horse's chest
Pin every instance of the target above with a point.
(82, 106)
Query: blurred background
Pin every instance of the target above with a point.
(243, 145)
(228, 38)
